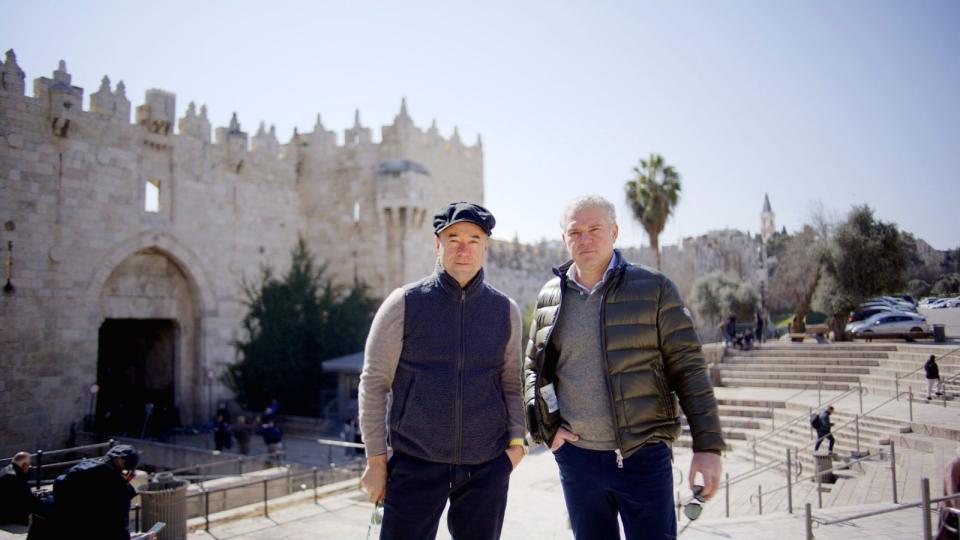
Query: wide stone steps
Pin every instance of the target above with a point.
(789, 361)
(754, 403)
(745, 411)
(809, 383)
(795, 368)
(786, 353)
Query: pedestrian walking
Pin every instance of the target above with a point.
(242, 431)
(822, 424)
(932, 371)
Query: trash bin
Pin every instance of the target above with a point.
(164, 499)
(939, 333)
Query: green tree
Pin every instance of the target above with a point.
(652, 195)
(798, 272)
(948, 284)
(291, 326)
(719, 294)
(918, 288)
(869, 258)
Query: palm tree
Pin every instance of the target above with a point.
(652, 195)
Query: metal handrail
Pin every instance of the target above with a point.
(835, 468)
(201, 466)
(898, 506)
(857, 417)
(805, 415)
(84, 448)
(754, 472)
(942, 356)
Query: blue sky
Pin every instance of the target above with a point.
(841, 102)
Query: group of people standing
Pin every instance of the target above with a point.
(612, 359)
(742, 340)
(267, 426)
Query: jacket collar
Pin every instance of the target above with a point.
(453, 288)
(619, 264)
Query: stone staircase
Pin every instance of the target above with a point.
(881, 369)
(762, 431)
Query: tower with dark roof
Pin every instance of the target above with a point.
(767, 220)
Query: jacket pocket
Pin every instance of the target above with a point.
(664, 394)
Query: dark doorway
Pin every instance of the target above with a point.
(135, 373)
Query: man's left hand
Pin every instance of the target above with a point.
(709, 465)
(516, 454)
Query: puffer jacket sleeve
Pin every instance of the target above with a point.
(686, 369)
(530, 376)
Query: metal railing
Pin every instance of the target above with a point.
(314, 472)
(37, 459)
(804, 416)
(793, 472)
(896, 380)
(925, 503)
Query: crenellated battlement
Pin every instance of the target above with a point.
(312, 182)
(157, 115)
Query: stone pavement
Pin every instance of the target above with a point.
(535, 511)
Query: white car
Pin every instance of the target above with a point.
(891, 323)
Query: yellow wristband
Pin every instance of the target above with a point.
(520, 443)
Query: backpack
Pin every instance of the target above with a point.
(815, 421)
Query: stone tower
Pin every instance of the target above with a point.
(767, 220)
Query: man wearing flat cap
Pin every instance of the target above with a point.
(446, 349)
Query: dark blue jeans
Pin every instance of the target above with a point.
(418, 490)
(821, 436)
(596, 491)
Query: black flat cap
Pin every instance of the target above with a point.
(127, 453)
(464, 211)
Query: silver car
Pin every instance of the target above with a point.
(890, 322)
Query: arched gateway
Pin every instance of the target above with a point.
(150, 373)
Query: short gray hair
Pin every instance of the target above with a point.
(588, 201)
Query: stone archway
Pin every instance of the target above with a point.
(148, 349)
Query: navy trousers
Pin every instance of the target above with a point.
(418, 490)
(596, 490)
(823, 435)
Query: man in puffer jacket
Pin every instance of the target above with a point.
(612, 358)
(447, 349)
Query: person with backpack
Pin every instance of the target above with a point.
(92, 498)
(821, 423)
(932, 371)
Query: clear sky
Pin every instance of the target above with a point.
(842, 102)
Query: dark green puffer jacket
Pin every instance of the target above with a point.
(653, 358)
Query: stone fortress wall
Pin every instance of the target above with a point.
(99, 269)
(84, 248)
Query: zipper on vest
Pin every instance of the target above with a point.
(606, 371)
(458, 421)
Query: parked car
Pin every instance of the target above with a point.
(866, 313)
(901, 323)
(938, 304)
(890, 302)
